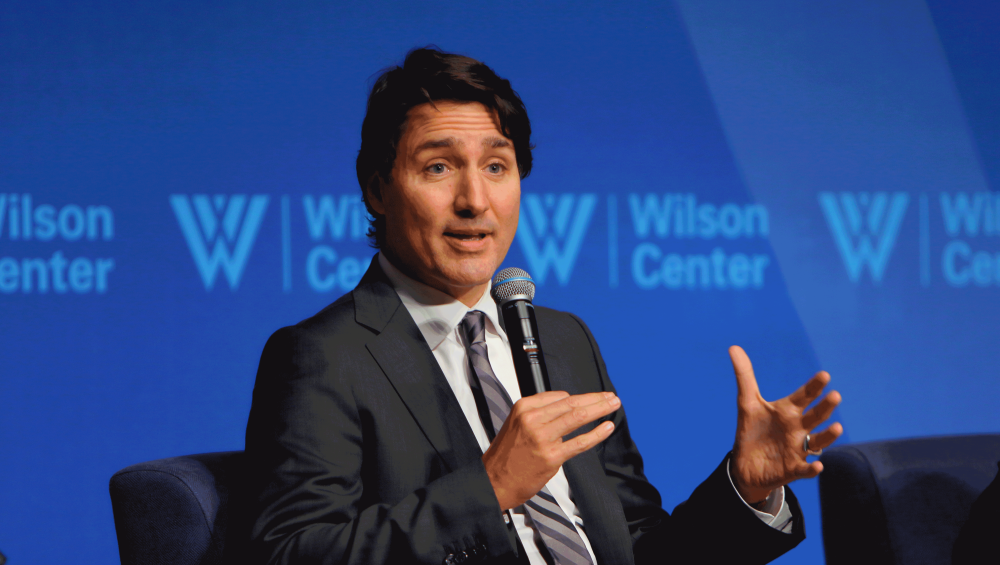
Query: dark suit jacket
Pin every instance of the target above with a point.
(976, 541)
(360, 453)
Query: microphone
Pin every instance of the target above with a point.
(513, 291)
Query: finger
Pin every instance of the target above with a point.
(809, 470)
(581, 415)
(746, 383)
(819, 413)
(583, 442)
(552, 411)
(823, 439)
(539, 400)
(811, 390)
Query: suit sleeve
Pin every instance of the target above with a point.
(306, 464)
(712, 526)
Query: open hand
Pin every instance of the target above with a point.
(768, 452)
(529, 448)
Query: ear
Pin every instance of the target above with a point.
(374, 191)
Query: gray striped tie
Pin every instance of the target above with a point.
(561, 539)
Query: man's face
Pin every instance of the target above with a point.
(451, 209)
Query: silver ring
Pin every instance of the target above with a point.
(805, 447)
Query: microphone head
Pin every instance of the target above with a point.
(512, 283)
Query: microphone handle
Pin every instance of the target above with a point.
(526, 349)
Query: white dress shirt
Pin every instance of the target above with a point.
(438, 316)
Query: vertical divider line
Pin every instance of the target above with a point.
(925, 243)
(612, 241)
(286, 246)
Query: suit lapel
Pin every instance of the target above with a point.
(403, 355)
(600, 508)
(598, 504)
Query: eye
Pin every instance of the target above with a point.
(495, 168)
(437, 169)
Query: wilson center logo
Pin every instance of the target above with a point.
(864, 227)
(220, 231)
(551, 230)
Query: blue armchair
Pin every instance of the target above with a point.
(902, 501)
(180, 511)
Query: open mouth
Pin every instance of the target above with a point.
(466, 236)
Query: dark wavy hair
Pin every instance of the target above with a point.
(429, 74)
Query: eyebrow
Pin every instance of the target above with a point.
(495, 142)
(435, 143)
(492, 142)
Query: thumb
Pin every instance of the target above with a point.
(746, 383)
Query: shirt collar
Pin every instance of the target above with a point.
(437, 314)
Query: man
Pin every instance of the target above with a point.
(389, 428)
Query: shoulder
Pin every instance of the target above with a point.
(556, 325)
(334, 318)
(570, 349)
(566, 332)
(329, 335)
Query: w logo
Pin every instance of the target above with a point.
(865, 227)
(553, 232)
(220, 232)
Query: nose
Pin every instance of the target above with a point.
(471, 194)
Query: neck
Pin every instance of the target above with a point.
(468, 295)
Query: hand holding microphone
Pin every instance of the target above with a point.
(528, 450)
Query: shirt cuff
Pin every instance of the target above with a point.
(776, 512)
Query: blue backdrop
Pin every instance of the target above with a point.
(813, 181)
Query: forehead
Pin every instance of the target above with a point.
(463, 121)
